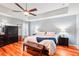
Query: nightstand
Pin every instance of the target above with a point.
(63, 41)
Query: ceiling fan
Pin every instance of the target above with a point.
(25, 11)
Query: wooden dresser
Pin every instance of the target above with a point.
(10, 36)
(2, 40)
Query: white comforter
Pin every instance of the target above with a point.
(49, 44)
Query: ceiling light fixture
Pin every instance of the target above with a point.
(26, 13)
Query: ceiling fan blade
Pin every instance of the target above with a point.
(19, 6)
(34, 9)
(32, 14)
(16, 11)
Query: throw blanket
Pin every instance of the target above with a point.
(39, 39)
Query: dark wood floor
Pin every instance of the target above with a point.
(15, 49)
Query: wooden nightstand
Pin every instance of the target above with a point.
(63, 41)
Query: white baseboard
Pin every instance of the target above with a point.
(72, 45)
(77, 46)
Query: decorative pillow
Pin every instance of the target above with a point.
(40, 33)
(50, 34)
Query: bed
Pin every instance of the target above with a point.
(49, 42)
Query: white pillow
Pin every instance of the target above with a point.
(50, 34)
(40, 33)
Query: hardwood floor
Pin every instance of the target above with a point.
(67, 51)
(15, 49)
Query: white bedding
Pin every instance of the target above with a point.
(49, 44)
(33, 38)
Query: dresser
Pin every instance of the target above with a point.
(1, 40)
(63, 41)
(10, 36)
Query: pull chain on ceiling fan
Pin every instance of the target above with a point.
(25, 11)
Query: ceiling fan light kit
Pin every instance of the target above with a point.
(26, 13)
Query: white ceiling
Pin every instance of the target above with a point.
(7, 8)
